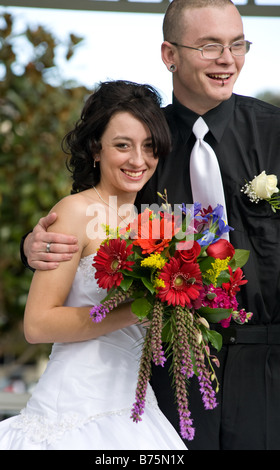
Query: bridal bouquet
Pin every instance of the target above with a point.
(180, 276)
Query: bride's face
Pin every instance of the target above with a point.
(126, 158)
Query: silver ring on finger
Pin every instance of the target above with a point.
(48, 247)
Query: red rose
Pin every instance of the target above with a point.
(221, 249)
(189, 251)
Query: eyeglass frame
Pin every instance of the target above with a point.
(248, 44)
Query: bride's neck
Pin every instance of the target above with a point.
(122, 198)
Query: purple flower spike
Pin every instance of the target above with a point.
(156, 328)
(143, 379)
(186, 426)
(98, 312)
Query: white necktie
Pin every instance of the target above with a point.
(206, 180)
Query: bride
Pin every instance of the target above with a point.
(83, 400)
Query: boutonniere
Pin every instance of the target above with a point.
(263, 187)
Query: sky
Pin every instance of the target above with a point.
(127, 46)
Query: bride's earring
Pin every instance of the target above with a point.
(96, 159)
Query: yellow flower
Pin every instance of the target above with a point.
(154, 261)
(218, 266)
(158, 283)
(110, 232)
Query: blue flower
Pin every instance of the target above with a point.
(192, 211)
(218, 216)
(207, 238)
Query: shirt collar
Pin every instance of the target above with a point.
(216, 119)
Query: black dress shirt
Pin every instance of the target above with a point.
(245, 135)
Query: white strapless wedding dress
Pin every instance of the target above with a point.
(84, 398)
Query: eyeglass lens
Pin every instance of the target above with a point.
(214, 51)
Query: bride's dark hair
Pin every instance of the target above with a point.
(84, 141)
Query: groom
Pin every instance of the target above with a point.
(204, 48)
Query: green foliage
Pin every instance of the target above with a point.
(270, 97)
(34, 117)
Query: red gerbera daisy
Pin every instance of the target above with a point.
(109, 260)
(183, 281)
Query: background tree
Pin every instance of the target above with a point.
(37, 108)
(270, 97)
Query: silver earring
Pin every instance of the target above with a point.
(94, 164)
(172, 68)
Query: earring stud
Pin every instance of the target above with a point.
(172, 68)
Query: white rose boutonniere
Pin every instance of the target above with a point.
(263, 187)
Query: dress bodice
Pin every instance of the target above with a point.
(85, 290)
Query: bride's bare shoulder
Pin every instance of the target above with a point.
(77, 203)
(72, 213)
